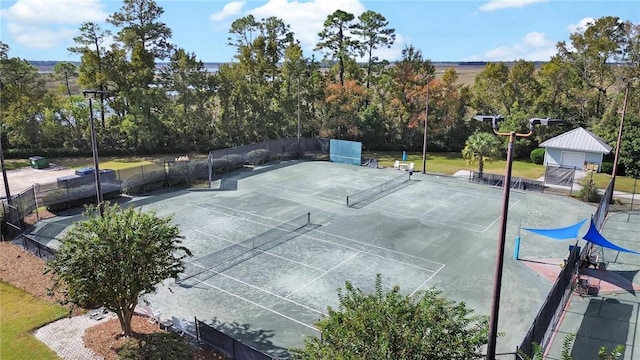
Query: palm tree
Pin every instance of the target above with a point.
(481, 146)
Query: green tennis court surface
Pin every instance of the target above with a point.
(266, 280)
(429, 232)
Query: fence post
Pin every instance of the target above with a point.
(66, 186)
(210, 168)
(165, 168)
(633, 195)
(143, 182)
(188, 179)
(197, 329)
(35, 201)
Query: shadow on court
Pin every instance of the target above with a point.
(256, 338)
(605, 323)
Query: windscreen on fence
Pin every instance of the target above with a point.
(551, 311)
(142, 179)
(228, 345)
(498, 180)
(559, 175)
(225, 160)
(74, 191)
(346, 152)
(603, 206)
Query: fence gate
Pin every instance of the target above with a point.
(559, 175)
(12, 221)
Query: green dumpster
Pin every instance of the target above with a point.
(38, 162)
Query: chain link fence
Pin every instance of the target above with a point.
(74, 191)
(498, 180)
(229, 345)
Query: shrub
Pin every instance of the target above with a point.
(607, 167)
(589, 191)
(257, 157)
(155, 346)
(537, 156)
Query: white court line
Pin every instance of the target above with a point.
(337, 199)
(263, 290)
(250, 248)
(293, 189)
(426, 281)
(499, 217)
(323, 274)
(441, 266)
(445, 201)
(378, 247)
(340, 245)
(258, 305)
(421, 217)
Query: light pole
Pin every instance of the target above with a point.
(4, 173)
(424, 142)
(497, 277)
(624, 110)
(91, 94)
(298, 114)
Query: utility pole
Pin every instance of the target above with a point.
(92, 94)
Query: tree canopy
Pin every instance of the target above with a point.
(390, 325)
(481, 147)
(162, 98)
(112, 260)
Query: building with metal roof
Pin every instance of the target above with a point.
(578, 148)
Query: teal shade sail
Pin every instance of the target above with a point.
(569, 232)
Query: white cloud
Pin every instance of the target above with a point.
(536, 39)
(44, 12)
(36, 37)
(42, 24)
(307, 18)
(581, 25)
(505, 4)
(231, 9)
(534, 46)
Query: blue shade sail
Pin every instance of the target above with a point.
(594, 236)
(570, 232)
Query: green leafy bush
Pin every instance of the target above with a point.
(158, 346)
(537, 156)
(607, 167)
(589, 191)
(258, 156)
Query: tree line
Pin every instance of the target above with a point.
(271, 87)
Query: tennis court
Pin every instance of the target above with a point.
(270, 251)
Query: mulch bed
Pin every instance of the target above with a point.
(26, 271)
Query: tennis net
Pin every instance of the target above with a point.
(235, 254)
(373, 192)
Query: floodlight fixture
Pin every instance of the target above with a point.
(493, 119)
(543, 121)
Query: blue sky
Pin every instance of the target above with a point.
(454, 30)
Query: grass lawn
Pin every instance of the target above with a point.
(449, 163)
(623, 183)
(12, 164)
(20, 314)
(113, 163)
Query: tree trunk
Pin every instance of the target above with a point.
(480, 166)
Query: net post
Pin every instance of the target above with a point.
(308, 217)
(347, 200)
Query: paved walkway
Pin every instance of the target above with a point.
(65, 336)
